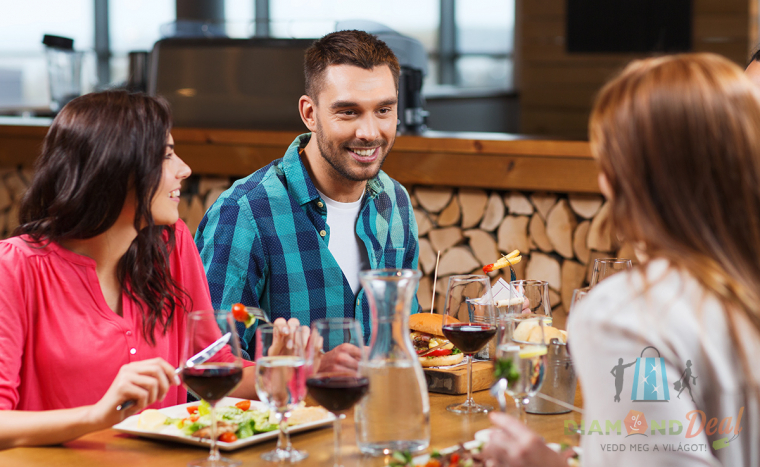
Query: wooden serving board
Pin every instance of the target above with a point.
(454, 380)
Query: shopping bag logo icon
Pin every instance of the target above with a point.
(650, 381)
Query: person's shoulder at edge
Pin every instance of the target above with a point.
(620, 289)
(23, 246)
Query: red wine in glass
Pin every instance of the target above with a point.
(469, 337)
(337, 392)
(212, 382)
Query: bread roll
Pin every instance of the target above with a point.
(523, 330)
(549, 333)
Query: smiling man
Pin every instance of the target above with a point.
(292, 237)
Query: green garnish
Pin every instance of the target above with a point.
(506, 369)
(455, 351)
(400, 459)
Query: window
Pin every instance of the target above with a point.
(474, 47)
(23, 69)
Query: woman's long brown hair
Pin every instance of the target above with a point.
(678, 139)
(101, 148)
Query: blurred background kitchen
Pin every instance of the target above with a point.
(469, 45)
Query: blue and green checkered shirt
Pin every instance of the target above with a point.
(261, 245)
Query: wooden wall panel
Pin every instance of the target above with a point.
(557, 88)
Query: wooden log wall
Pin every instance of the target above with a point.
(557, 89)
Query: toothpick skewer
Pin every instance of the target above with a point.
(435, 279)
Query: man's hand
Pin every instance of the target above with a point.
(342, 359)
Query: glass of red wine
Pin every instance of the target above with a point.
(337, 384)
(469, 322)
(216, 377)
(281, 370)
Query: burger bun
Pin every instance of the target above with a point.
(430, 323)
(451, 359)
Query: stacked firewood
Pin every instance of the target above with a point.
(13, 184)
(559, 236)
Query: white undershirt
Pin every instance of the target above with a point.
(345, 246)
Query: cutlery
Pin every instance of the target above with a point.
(196, 359)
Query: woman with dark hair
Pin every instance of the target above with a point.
(100, 275)
(678, 146)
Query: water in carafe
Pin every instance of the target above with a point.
(395, 415)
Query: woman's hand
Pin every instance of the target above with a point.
(513, 444)
(144, 382)
(288, 335)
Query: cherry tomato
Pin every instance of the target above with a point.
(239, 313)
(228, 437)
(439, 353)
(243, 405)
(192, 409)
(454, 459)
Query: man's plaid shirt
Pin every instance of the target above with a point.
(264, 243)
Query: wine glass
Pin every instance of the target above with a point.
(605, 267)
(337, 391)
(281, 382)
(535, 295)
(469, 322)
(520, 360)
(216, 377)
(578, 295)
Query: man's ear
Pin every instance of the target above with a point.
(307, 109)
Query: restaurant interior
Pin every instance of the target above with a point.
(492, 148)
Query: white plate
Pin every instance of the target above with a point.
(422, 459)
(483, 436)
(172, 433)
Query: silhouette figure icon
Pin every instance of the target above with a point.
(617, 372)
(685, 381)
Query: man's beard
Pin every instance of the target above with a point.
(335, 155)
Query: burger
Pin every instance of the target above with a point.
(427, 333)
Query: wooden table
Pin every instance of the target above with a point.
(110, 448)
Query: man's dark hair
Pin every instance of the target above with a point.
(356, 48)
(100, 149)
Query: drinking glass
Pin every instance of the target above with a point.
(535, 296)
(337, 391)
(469, 322)
(281, 382)
(578, 295)
(215, 378)
(520, 364)
(605, 267)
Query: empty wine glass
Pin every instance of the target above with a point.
(605, 267)
(216, 377)
(535, 295)
(578, 295)
(281, 382)
(470, 304)
(337, 391)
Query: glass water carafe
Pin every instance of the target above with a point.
(395, 415)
